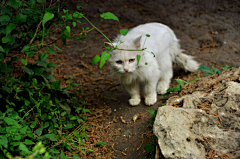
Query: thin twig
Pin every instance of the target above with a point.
(35, 32)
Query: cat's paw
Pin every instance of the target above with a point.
(162, 91)
(134, 102)
(150, 101)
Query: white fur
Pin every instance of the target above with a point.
(157, 74)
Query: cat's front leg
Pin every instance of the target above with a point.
(150, 92)
(165, 80)
(133, 90)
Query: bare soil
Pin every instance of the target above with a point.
(207, 29)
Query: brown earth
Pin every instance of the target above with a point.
(208, 30)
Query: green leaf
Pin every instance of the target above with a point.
(68, 126)
(56, 85)
(152, 112)
(153, 54)
(29, 71)
(26, 48)
(7, 48)
(67, 32)
(79, 7)
(74, 24)
(9, 28)
(21, 18)
(109, 15)
(10, 121)
(39, 131)
(150, 147)
(96, 59)
(57, 47)
(107, 47)
(180, 82)
(124, 32)
(26, 102)
(47, 16)
(1, 56)
(23, 148)
(43, 56)
(4, 141)
(216, 70)
(208, 75)
(51, 137)
(62, 155)
(4, 18)
(226, 67)
(51, 51)
(14, 3)
(49, 76)
(24, 61)
(77, 15)
(68, 17)
(138, 59)
(73, 117)
(31, 2)
(52, 64)
(1, 49)
(205, 69)
(101, 143)
(33, 125)
(28, 142)
(34, 81)
(147, 35)
(64, 39)
(7, 39)
(192, 80)
(9, 90)
(104, 57)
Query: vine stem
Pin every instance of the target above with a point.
(98, 30)
(132, 49)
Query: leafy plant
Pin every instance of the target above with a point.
(34, 105)
(209, 71)
(226, 67)
(150, 147)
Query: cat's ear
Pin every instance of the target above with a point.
(137, 42)
(114, 44)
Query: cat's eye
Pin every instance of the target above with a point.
(131, 60)
(119, 62)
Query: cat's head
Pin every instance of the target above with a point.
(122, 61)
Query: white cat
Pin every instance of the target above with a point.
(154, 73)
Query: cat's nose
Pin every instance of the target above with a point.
(126, 70)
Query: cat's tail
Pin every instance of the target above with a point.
(186, 61)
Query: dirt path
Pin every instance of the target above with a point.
(208, 30)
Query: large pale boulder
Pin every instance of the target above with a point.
(205, 123)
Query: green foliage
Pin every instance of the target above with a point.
(124, 32)
(138, 59)
(150, 147)
(209, 71)
(226, 67)
(109, 15)
(35, 109)
(101, 143)
(104, 57)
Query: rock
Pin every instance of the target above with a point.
(207, 122)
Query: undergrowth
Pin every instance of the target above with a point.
(38, 117)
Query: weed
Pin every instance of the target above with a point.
(35, 109)
(209, 71)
